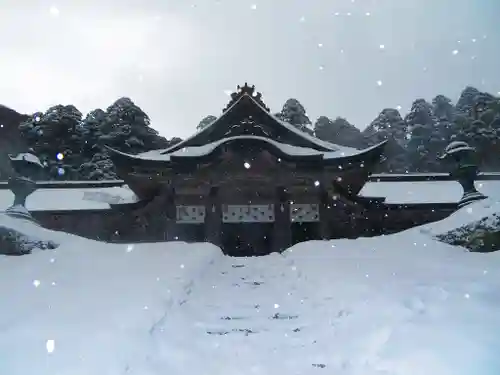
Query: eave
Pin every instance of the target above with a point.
(340, 159)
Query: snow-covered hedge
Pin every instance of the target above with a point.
(480, 236)
(14, 242)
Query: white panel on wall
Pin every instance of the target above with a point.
(303, 213)
(190, 214)
(253, 213)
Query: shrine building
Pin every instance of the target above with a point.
(254, 184)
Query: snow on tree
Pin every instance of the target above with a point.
(389, 126)
(483, 137)
(426, 141)
(126, 128)
(207, 120)
(443, 108)
(467, 99)
(123, 126)
(54, 138)
(173, 141)
(295, 114)
(339, 131)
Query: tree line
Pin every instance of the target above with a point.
(72, 145)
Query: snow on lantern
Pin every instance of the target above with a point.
(21, 183)
(465, 170)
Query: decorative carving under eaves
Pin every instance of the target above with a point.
(303, 213)
(250, 91)
(247, 126)
(190, 214)
(253, 213)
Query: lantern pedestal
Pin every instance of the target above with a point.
(21, 187)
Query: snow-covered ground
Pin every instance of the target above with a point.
(402, 305)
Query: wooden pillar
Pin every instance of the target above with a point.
(282, 233)
(325, 210)
(213, 217)
(171, 215)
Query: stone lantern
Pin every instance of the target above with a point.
(25, 166)
(465, 170)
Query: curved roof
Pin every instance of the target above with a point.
(281, 149)
(246, 96)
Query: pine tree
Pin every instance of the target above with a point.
(338, 131)
(207, 120)
(54, 138)
(426, 142)
(295, 114)
(389, 126)
(126, 128)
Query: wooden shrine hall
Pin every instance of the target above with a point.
(253, 184)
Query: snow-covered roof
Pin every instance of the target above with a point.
(294, 151)
(426, 191)
(28, 157)
(71, 198)
(289, 127)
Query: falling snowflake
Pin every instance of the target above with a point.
(253, 6)
(61, 171)
(276, 306)
(130, 248)
(246, 165)
(382, 46)
(54, 11)
(50, 346)
(36, 283)
(320, 45)
(455, 52)
(379, 83)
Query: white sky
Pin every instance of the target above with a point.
(176, 60)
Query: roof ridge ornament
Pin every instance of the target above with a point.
(246, 90)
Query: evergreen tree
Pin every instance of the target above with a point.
(386, 126)
(54, 138)
(467, 100)
(426, 142)
(389, 126)
(295, 114)
(443, 108)
(97, 165)
(126, 128)
(207, 120)
(338, 131)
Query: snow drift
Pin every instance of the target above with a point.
(403, 304)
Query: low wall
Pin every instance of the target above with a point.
(128, 225)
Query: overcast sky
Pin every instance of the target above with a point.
(177, 59)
